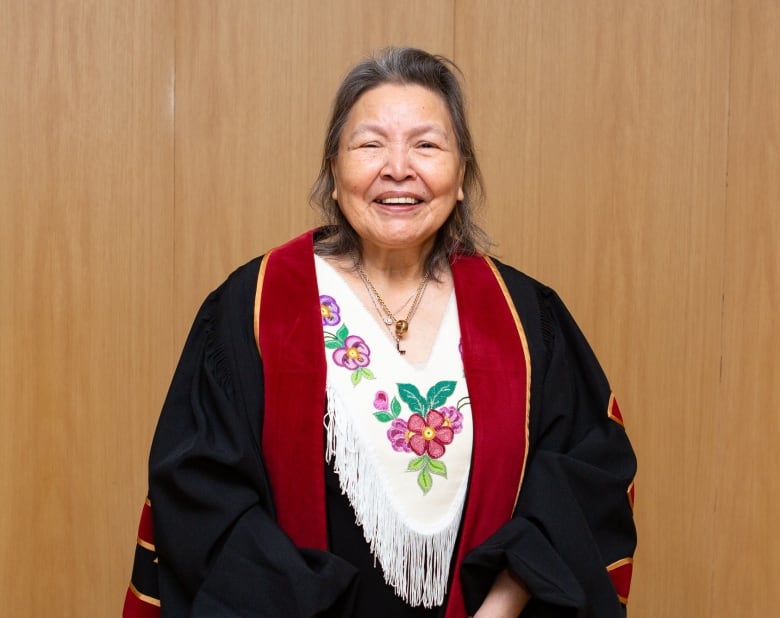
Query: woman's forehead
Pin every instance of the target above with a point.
(408, 106)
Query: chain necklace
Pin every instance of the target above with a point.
(401, 326)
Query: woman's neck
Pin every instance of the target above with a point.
(394, 267)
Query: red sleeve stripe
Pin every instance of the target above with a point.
(613, 411)
(139, 605)
(620, 573)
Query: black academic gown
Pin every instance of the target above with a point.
(221, 552)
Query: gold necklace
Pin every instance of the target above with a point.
(401, 326)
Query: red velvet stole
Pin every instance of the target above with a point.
(498, 373)
(497, 367)
(291, 344)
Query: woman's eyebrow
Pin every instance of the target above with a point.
(414, 131)
(366, 128)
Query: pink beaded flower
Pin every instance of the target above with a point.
(429, 435)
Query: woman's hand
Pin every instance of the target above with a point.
(506, 598)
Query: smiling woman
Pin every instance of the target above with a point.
(481, 469)
(398, 173)
(410, 69)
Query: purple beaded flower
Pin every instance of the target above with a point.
(330, 310)
(399, 435)
(353, 355)
(452, 418)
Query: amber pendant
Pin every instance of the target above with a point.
(401, 326)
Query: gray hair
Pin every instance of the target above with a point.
(403, 65)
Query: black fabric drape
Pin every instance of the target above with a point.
(222, 554)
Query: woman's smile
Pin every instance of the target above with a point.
(398, 173)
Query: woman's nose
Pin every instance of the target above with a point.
(398, 164)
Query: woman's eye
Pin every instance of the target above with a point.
(426, 145)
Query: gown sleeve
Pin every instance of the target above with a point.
(219, 548)
(573, 522)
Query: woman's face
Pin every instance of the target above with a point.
(398, 172)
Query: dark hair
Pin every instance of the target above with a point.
(403, 65)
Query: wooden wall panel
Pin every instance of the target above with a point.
(254, 86)
(747, 567)
(602, 129)
(147, 148)
(86, 185)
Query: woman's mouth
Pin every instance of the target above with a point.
(398, 201)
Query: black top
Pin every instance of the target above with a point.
(221, 553)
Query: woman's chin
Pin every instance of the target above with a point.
(398, 240)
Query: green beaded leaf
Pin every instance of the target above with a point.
(333, 344)
(342, 333)
(412, 397)
(438, 393)
(437, 467)
(424, 480)
(395, 407)
(383, 416)
(360, 373)
(417, 463)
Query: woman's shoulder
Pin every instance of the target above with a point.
(526, 291)
(238, 287)
(514, 277)
(246, 275)
(539, 307)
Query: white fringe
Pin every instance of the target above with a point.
(415, 564)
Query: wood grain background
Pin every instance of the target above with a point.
(632, 155)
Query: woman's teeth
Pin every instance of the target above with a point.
(399, 200)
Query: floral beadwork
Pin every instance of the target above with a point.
(354, 354)
(429, 434)
(398, 436)
(452, 417)
(349, 351)
(330, 310)
(431, 426)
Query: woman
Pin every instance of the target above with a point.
(473, 460)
